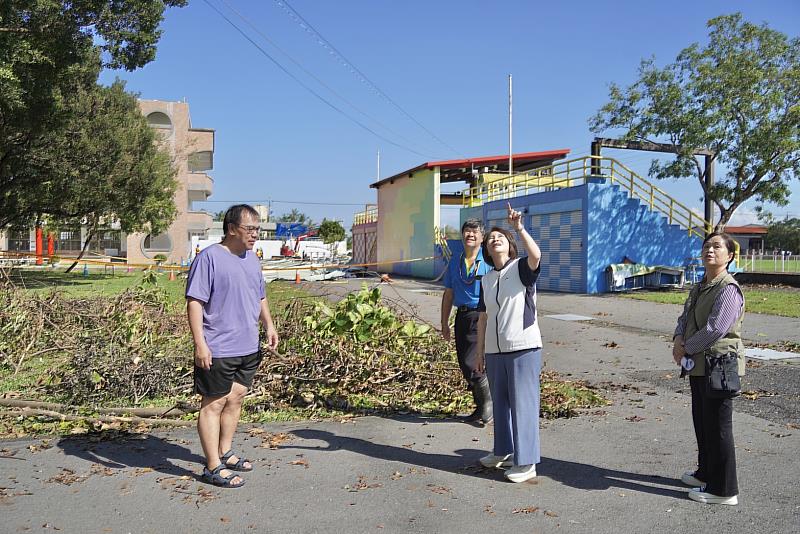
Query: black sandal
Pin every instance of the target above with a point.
(237, 466)
(214, 477)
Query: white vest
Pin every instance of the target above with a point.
(511, 322)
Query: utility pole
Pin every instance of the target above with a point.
(510, 129)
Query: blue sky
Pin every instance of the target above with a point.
(442, 64)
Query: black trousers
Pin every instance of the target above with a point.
(466, 330)
(713, 428)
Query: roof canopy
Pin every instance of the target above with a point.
(460, 170)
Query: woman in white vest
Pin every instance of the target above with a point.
(711, 325)
(511, 345)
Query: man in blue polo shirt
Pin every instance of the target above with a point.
(462, 290)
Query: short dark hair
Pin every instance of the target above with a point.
(730, 243)
(234, 215)
(512, 245)
(472, 223)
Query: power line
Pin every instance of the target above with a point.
(268, 201)
(316, 78)
(306, 87)
(303, 23)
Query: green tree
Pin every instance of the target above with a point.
(49, 50)
(331, 231)
(111, 169)
(296, 216)
(738, 96)
(784, 235)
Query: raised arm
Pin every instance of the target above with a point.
(534, 254)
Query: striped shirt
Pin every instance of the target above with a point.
(723, 316)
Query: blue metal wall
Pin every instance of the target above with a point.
(583, 229)
(622, 227)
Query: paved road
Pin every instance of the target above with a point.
(614, 469)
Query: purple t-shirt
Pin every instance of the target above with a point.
(231, 288)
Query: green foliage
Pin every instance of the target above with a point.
(784, 235)
(50, 51)
(362, 317)
(111, 169)
(738, 96)
(331, 231)
(296, 216)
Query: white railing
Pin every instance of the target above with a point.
(770, 263)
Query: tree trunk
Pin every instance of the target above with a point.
(89, 237)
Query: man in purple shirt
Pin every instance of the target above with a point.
(226, 301)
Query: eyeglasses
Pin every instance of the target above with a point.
(248, 229)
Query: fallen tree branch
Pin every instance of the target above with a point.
(138, 412)
(28, 412)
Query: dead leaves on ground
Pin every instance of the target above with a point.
(270, 440)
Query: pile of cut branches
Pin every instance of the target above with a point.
(131, 347)
(360, 355)
(134, 348)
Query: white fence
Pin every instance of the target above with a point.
(770, 263)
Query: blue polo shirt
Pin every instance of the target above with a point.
(466, 286)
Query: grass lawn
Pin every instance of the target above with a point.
(100, 283)
(771, 265)
(774, 301)
(96, 283)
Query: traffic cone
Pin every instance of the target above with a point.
(297, 277)
(171, 275)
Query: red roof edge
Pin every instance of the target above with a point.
(499, 159)
(517, 158)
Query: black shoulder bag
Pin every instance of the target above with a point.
(722, 376)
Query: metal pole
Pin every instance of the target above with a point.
(510, 123)
(709, 206)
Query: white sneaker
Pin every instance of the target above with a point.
(500, 462)
(690, 480)
(521, 473)
(697, 494)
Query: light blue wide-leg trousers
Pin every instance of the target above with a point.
(514, 382)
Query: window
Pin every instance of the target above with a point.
(68, 240)
(159, 120)
(19, 240)
(156, 244)
(201, 161)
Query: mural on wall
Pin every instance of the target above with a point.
(409, 212)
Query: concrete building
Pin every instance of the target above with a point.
(587, 214)
(192, 150)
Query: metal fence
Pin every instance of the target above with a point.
(770, 263)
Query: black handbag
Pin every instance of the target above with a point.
(722, 376)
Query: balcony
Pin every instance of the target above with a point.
(369, 215)
(201, 140)
(198, 221)
(200, 186)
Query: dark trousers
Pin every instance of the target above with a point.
(466, 330)
(713, 428)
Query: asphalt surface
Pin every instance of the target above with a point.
(612, 469)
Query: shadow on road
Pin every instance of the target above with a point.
(465, 461)
(142, 451)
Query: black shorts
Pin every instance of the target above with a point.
(218, 381)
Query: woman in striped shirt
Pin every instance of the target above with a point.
(711, 325)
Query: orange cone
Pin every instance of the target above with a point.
(171, 275)
(297, 277)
